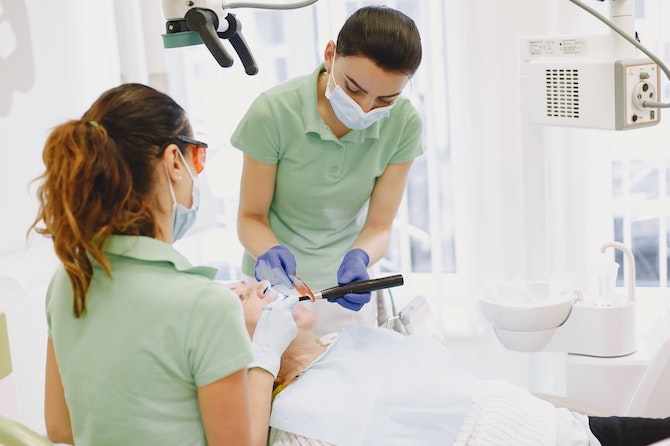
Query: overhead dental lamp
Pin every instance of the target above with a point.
(193, 22)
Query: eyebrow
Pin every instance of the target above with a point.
(365, 91)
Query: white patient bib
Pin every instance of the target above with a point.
(377, 387)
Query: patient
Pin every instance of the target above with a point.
(371, 386)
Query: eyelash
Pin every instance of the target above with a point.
(358, 91)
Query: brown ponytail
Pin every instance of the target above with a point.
(99, 177)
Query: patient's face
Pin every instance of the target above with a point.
(253, 301)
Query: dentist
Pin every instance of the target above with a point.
(326, 159)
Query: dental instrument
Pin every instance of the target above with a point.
(362, 286)
(305, 292)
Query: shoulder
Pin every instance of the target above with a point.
(214, 311)
(288, 94)
(216, 296)
(405, 111)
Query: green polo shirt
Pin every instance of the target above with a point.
(153, 332)
(323, 183)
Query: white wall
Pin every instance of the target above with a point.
(55, 59)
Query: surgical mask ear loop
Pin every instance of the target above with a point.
(182, 217)
(174, 197)
(167, 174)
(188, 169)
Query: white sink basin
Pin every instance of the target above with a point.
(527, 306)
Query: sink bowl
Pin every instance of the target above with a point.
(528, 306)
(524, 341)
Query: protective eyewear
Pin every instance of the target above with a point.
(200, 156)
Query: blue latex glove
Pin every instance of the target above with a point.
(275, 265)
(274, 332)
(352, 269)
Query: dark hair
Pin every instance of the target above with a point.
(99, 177)
(384, 35)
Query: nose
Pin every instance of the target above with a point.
(367, 103)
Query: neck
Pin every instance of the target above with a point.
(296, 358)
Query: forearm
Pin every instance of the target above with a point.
(260, 384)
(256, 193)
(375, 237)
(56, 412)
(375, 241)
(255, 235)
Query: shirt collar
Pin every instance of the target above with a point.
(152, 250)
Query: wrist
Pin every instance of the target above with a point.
(265, 358)
(360, 254)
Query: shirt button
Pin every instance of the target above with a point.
(333, 169)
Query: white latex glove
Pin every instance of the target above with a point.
(274, 332)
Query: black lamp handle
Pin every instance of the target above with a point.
(204, 22)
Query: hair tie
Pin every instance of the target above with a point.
(94, 124)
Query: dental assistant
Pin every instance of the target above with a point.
(326, 159)
(144, 348)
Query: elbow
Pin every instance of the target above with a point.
(58, 434)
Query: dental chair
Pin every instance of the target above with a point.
(647, 396)
(636, 385)
(13, 433)
(651, 396)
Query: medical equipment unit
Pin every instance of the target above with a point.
(593, 81)
(606, 364)
(557, 317)
(193, 22)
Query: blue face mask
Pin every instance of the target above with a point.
(347, 110)
(182, 217)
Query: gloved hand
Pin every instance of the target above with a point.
(275, 265)
(352, 269)
(274, 332)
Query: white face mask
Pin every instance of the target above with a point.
(182, 217)
(347, 110)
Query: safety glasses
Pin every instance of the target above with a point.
(200, 156)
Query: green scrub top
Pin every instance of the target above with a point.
(153, 332)
(323, 183)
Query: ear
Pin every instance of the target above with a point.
(172, 162)
(328, 55)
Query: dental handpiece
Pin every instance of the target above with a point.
(362, 286)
